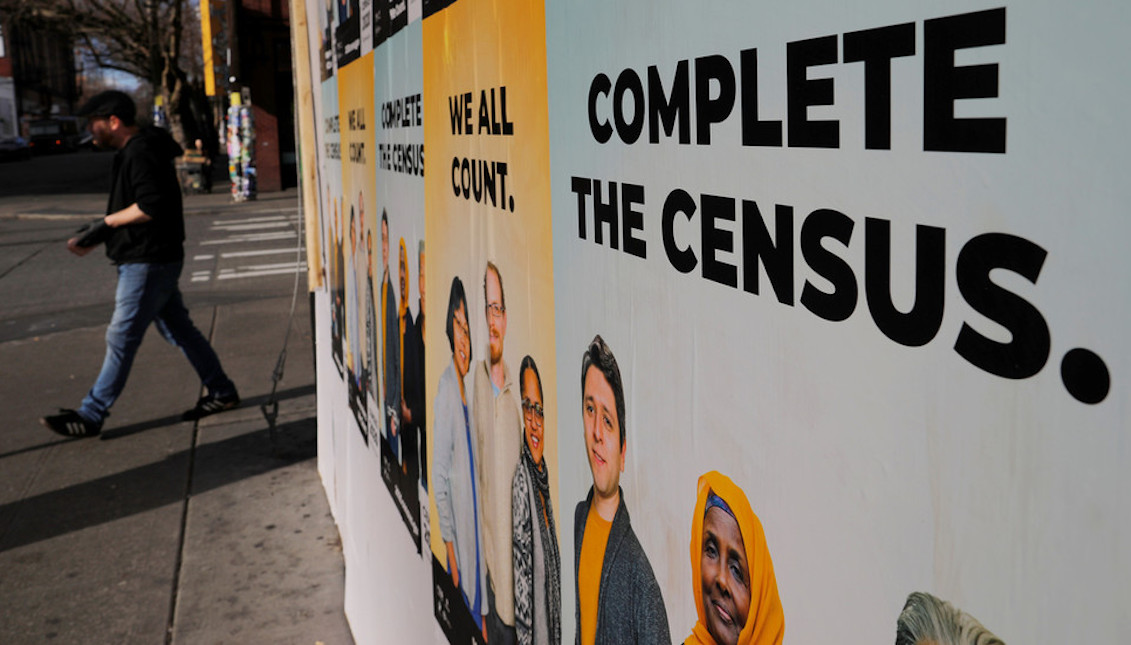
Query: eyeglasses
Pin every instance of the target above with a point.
(496, 310)
(536, 408)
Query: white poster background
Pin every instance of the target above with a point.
(876, 469)
(331, 386)
(398, 74)
(366, 7)
(317, 15)
(388, 593)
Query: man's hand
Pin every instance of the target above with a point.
(406, 413)
(73, 247)
(89, 236)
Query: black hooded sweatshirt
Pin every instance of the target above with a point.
(144, 174)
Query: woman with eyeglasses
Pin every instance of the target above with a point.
(537, 563)
(455, 462)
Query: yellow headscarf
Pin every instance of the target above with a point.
(765, 620)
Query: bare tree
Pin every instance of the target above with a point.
(141, 37)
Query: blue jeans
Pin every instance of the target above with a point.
(148, 293)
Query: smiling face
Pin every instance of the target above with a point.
(533, 416)
(385, 245)
(461, 338)
(404, 278)
(602, 434)
(353, 233)
(420, 280)
(369, 253)
(725, 576)
(496, 316)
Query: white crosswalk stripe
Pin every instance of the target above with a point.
(263, 237)
(250, 254)
(258, 226)
(246, 234)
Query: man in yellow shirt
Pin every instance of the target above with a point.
(618, 599)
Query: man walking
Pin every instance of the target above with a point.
(144, 236)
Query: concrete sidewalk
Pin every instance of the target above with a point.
(164, 531)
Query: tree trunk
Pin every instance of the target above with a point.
(173, 86)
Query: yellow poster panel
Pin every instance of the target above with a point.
(487, 210)
(355, 123)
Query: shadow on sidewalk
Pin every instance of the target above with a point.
(141, 489)
(255, 401)
(135, 428)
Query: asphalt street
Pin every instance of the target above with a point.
(246, 254)
(160, 530)
(75, 173)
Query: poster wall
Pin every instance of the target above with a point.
(747, 326)
(355, 101)
(488, 219)
(399, 155)
(330, 332)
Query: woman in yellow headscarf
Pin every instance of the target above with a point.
(736, 594)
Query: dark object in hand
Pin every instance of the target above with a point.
(93, 233)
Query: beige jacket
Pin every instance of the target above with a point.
(498, 434)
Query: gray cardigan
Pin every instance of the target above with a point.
(452, 482)
(630, 608)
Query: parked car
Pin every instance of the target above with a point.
(14, 148)
(54, 134)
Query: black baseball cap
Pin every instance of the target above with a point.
(110, 102)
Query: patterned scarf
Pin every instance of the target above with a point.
(548, 533)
